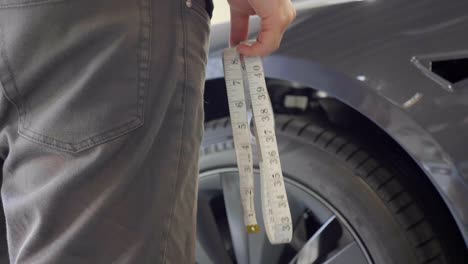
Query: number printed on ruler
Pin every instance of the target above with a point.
(246, 89)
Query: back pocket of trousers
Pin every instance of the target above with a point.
(77, 71)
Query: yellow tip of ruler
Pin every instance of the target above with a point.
(247, 91)
(252, 229)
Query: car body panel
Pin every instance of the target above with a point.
(370, 55)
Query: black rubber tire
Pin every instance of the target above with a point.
(364, 188)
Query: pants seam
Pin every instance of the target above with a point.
(171, 216)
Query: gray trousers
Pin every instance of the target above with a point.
(101, 118)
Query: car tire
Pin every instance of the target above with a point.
(352, 177)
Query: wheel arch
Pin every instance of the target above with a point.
(414, 140)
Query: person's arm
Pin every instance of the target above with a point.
(275, 17)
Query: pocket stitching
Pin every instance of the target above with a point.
(86, 143)
(143, 63)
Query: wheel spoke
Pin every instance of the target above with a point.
(310, 252)
(201, 255)
(234, 211)
(261, 250)
(351, 253)
(210, 242)
(299, 238)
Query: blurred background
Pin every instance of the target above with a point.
(221, 11)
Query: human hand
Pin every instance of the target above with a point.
(275, 17)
